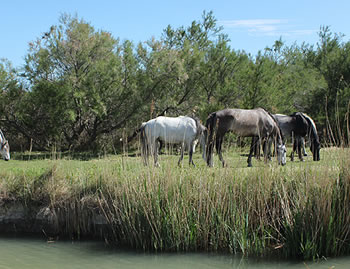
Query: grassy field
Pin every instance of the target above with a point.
(299, 210)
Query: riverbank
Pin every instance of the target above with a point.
(300, 210)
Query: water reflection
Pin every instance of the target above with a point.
(33, 253)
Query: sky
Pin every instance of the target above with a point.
(251, 25)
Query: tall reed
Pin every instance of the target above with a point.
(301, 210)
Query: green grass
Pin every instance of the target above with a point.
(299, 210)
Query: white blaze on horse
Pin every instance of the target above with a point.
(182, 130)
(256, 123)
(5, 147)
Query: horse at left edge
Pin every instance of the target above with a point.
(4, 147)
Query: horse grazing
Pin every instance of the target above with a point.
(180, 130)
(297, 126)
(256, 123)
(4, 147)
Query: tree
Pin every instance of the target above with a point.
(88, 81)
(11, 105)
(332, 60)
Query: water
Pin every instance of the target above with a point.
(34, 253)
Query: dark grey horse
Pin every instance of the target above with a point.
(297, 126)
(255, 123)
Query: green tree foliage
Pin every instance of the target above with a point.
(83, 81)
(12, 110)
(332, 60)
(81, 87)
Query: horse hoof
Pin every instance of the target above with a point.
(250, 165)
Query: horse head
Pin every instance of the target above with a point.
(281, 154)
(315, 149)
(281, 149)
(5, 150)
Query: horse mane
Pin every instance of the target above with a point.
(2, 136)
(313, 129)
(275, 120)
(198, 124)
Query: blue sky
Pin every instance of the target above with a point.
(251, 25)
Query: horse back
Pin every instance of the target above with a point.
(171, 129)
(243, 122)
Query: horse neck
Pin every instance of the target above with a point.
(278, 134)
(277, 128)
(312, 131)
(198, 126)
(2, 137)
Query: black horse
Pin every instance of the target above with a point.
(298, 126)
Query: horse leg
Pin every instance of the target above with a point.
(257, 147)
(273, 144)
(256, 152)
(293, 150)
(144, 147)
(210, 154)
(266, 149)
(182, 154)
(218, 149)
(251, 153)
(273, 153)
(299, 149)
(155, 152)
(145, 154)
(145, 151)
(303, 146)
(269, 145)
(190, 153)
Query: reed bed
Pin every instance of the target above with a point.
(301, 210)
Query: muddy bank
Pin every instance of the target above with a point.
(69, 220)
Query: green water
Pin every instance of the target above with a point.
(34, 253)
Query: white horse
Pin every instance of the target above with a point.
(4, 147)
(180, 130)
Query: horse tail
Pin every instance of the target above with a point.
(143, 138)
(211, 127)
(210, 124)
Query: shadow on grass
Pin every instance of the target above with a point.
(29, 156)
